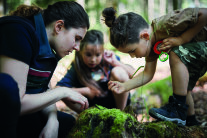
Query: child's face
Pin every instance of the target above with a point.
(92, 55)
(137, 50)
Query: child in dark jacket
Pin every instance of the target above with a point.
(91, 70)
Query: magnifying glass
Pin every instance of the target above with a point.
(163, 56)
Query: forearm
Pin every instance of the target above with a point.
(41, 100)
(188, 35)
(139, 80)
(83, 90)
(143, 77)
(50, 111)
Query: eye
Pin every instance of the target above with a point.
(88, 54)
(78, 38)
(98, 54)
(132, 51)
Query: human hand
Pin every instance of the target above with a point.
(91, 93)
(110, 57)
(76, 98)
(50, 130)
(170, 42)
(116, 87)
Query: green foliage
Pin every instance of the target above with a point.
(45, 3)
(13, 4)
(161, 129)
(162, 88)
(99, 121)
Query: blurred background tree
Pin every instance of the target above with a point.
(149, 9)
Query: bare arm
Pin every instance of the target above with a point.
(52, 125)
(86, 91)
(50, 111)
(35, 102)
(139, 80)
(189, 34)
(143, 77)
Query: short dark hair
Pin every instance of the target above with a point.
(125, 29)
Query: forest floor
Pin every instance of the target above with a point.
(163, 70)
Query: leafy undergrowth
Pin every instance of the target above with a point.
(163, 88)
(101, 122)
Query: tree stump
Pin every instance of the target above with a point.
(101, 122)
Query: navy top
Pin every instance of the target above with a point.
(71, 77)
(101, 76)
(26, 41)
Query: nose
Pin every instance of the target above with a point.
(93, 58)
(76, 47)
(132, 55)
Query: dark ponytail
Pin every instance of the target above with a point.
(124, 29)
(109, 15)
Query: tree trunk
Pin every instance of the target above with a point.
(101, 122)
(170, 6)
(150, 10)
(197, 3)
(162, 7)
(5, 7)
(145, 8)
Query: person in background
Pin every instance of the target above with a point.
(32, 40)
(91, 70)
(183, 34)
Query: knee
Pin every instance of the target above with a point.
(119, 74)
(9, 91)
(173, 59)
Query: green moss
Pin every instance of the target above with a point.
(112, 123)
(101, 121)
(162, 129)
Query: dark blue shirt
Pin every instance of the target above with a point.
(26, 41)
(71, 77)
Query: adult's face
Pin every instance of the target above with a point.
(64, 41)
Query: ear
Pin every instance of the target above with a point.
(59, 26)
(144, 35)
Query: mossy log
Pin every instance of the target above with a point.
(97, 122)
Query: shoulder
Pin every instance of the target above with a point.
(26, 23)
(18, 39)
(15, 25)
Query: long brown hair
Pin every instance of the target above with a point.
(71, 12)
(83, 72)
(26, 11)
